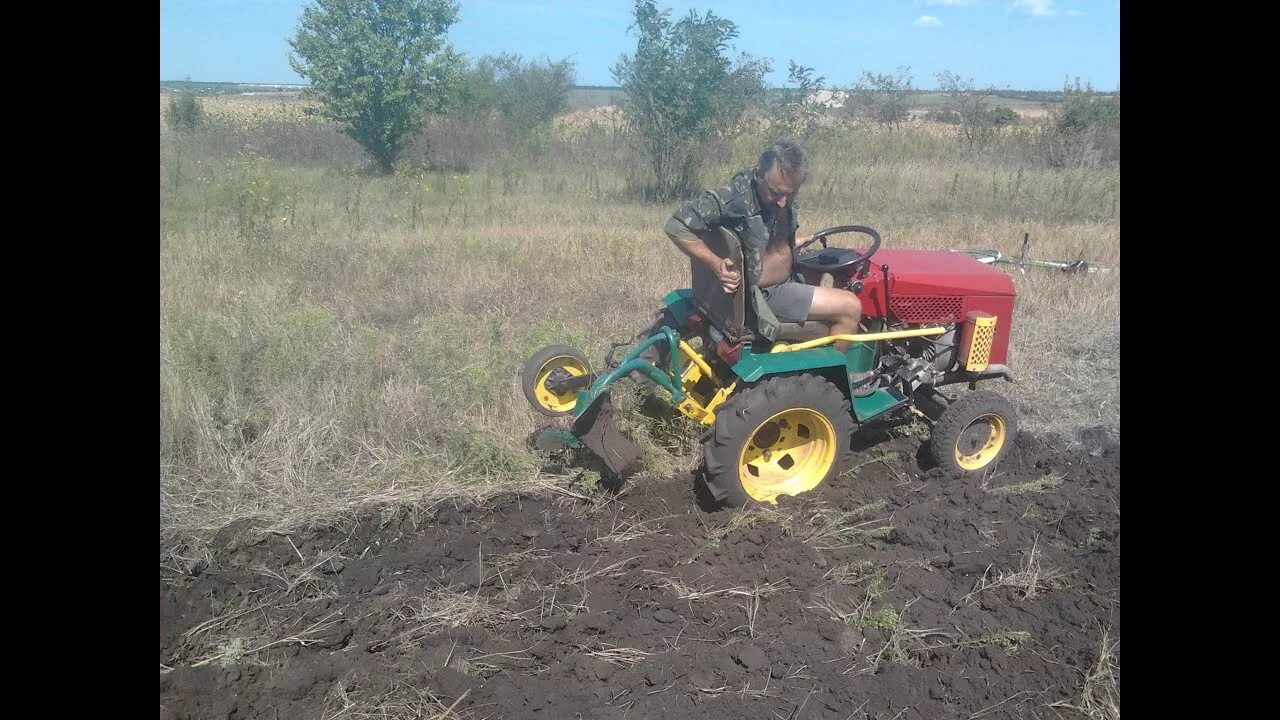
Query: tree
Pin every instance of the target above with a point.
(378, 66)
(679, 88)
(884, 98)
(799, 111)
(185, 110)
(969, 102)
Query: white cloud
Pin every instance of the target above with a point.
(1075, 13)
(1038, 8)
(950, 3)
(927, 21)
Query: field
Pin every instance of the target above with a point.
(353, 525)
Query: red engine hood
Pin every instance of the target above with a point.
(939, 272)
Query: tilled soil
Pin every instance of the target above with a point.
(891, 592)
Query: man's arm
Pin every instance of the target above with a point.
(691, 245)
(684, 229)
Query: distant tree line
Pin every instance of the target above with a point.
(379, 68)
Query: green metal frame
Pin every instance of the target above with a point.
(632, 362)
(751, 366)
(679, 302)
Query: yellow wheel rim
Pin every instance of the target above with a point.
(980, 442)
(558, 402)
(787, 454)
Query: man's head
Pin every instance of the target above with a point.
(782, 169)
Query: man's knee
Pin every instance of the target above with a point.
(835, 305)
(851, 306)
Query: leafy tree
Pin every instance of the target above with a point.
(680, 89)
(378, 66)
(795, 115)
(185, 110)
(969, 102)
(885, 98)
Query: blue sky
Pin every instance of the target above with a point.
(1019, 44)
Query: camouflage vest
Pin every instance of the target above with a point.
(736, 208)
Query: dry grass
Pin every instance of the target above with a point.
(625, 531)
(400, 701)
(620, 656)
(1041, 484)
(829, 528)
(444, 609)
(684, 591)
(239, 634)
(852, 573)
(238, 649)
(1100, 693)
(1011, 641)
(331, 340)
(1031, 579)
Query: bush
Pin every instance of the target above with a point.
(525, 95)
(1082, 109)
(680, 92)
(185, 111)
(1083, 131)
(1001, 115)
(884, 98)
(793, 115)
(943, 115)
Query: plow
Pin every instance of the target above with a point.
(779, 415)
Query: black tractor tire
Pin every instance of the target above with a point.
(974, 432)
(541, 364)
(804, 423)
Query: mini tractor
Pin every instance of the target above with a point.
(780, 415)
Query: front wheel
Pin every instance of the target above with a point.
(974, 432)
(785, 436)
(560, 360)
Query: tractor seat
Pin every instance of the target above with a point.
(729, 311)
(723, 309)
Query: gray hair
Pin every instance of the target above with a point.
(790, 159)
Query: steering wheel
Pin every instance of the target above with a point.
(829, 259)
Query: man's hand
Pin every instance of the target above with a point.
(726, 271)
(802, 239)
(728, 274)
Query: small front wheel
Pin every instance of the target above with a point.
(974, 432)
(558, 360)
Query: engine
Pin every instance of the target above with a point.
(930, 288)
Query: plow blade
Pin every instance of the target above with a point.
(596, 430)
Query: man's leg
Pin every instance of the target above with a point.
(841, 308)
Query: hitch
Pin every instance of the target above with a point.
(562, 381)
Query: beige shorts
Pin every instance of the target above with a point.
(790, 301)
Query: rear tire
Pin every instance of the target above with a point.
(540, 365)
(974, 432)
(784, 436)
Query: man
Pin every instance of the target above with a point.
(758, 206)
